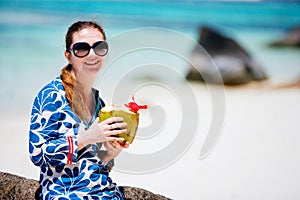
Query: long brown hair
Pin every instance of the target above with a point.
(75, 99)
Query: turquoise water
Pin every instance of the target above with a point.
(32, 34)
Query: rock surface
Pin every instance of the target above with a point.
(13, 187)
(133, 193)
(290, 39)
(232, 62)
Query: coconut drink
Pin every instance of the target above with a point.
(130, 115)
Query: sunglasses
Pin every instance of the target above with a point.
(82, 49)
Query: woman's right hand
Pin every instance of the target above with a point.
(103, 131)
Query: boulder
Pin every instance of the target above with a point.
(233, 63)
(134, 193)
(16, 187)
(290, 39)
(13, 187)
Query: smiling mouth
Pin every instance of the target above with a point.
(92, 63)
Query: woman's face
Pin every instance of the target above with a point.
(92, 63)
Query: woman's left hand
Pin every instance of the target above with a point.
(113, 148)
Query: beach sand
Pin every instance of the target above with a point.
(256, 157)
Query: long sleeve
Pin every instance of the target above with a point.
(52, 134)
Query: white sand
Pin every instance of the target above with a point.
(257, 156)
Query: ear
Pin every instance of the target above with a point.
(68, 56)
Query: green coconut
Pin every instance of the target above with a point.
(131, 118)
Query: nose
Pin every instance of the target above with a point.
(92, 52)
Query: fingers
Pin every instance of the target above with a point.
(114, 123)
(116, 144)
(126, 145)
(113, 120)
(112, 145)
(118, 125)
(113, 138)
(115, 133)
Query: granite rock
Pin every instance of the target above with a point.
(14, 187)
(219, 59)
(290, 39)
(134, 193)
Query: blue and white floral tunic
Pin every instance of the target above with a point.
(66, 172)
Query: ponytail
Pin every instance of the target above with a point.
(75, 99)
(68, 82)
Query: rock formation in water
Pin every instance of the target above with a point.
(290, 39)
(233, 63)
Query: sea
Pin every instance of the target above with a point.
(32, 35)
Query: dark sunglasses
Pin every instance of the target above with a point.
(82, 49)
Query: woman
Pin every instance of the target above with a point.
(65, 137)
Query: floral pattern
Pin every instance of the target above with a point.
(66, 172)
